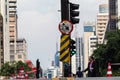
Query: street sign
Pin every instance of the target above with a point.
(65, 27)
(64, 48)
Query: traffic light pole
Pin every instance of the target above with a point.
(64, 16)
(68, 12)
(70, 61)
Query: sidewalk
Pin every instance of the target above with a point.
(90, 78)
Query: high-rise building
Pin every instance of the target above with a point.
(10, 40)
(103, 8)
(1, 41)
(79, 53)
(112, 15)
(12, 20)
(57, 60)
(12, 28)
(102, 23)
(4, 10)
(89, 28)
(17, 46)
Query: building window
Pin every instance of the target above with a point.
(11, 56)
(19, 56)
(11, 26)
(1, 29)
(11, 51)
(2, 54)
(2, 60)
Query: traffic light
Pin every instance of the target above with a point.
(74, 13)
(73, 47)
(64, 10)
(38, 68)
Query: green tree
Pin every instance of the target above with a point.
(5, 69)
(109, 52)
(8, 69)
(21, 64)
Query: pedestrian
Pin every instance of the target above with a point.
(91, 67)
(79, 72)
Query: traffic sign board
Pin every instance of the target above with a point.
(64, 48)
(65, 27)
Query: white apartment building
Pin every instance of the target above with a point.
(10, 34)
(53, 72)
(4, 10)
(92, 44)
(102, 22)
(12, 28)
(21, 50)
(13, 20)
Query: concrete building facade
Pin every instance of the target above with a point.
(102, 23)
(57, 61)
(10, 39)
(12, 28)
(88, 31)
(1, 41)
(92, 44)
(21, 50)
(4, 10)
(112, 16)
(79, 53)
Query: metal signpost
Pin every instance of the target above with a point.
(65, 27)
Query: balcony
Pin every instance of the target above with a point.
(12, 11)
(12, 6)
(12, 1)
(102, 21)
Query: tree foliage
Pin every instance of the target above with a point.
(109, 52)
(5, 70)
(8, 69)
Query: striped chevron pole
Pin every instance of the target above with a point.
(65, 48)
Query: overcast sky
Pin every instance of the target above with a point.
(38, 22)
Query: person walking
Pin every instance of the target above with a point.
(79, 72)
(91, 67)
